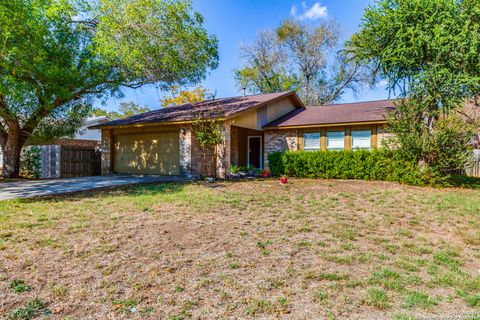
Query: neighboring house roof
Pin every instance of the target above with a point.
(84, 133)
(370, 111)
(209, 109)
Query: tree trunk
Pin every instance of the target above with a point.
(11, 155)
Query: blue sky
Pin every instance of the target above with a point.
(237, 21)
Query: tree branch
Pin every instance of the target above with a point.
(5, 112)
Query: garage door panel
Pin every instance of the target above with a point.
(153, 153)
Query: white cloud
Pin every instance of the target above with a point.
(293, 11)
(317, 11)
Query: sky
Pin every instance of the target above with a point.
(236, 22)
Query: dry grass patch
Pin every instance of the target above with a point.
(310, 249)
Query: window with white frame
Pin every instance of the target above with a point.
(335, 140)
(311, 141)
(361, 139)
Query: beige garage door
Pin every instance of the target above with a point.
(147, 153)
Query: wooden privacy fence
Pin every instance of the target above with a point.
(474, 170)
(79, 161)
(59, 161)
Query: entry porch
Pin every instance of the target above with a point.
(246, 147)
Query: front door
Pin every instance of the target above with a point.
(255, 152)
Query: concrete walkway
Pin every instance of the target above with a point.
(38, 188)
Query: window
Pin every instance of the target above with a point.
(311, 141)
(335, 140)
(361, 139)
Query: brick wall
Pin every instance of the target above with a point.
(77, 143)
(382, 134)
(185, 159)
(279, 140)
(106, 152)
(202, 164)
(224, 151)
(234, 152)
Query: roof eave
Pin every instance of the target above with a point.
(318, 125)
(149, 124)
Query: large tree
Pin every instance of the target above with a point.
(266, 67)
(297, 56)
(428, 51)
(56, 56)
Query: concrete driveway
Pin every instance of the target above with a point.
(38, 188)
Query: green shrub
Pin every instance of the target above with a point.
(360, 164)
(275, 163)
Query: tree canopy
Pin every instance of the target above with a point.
(178, 96)
(125, 110)
(56, 56)
(424, 48)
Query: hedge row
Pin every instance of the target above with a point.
(360, 164)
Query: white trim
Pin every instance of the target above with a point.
(261, 151)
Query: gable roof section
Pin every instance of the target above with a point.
(370, 111)
(214, 109)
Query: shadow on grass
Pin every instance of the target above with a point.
(151, 188)
(460, 181)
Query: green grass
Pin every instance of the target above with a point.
(419, 299)
(31, 310)
(388, 279)
(378, 298)
(464, 181)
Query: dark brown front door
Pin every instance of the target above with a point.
(255, 152)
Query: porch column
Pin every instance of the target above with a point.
(224, 151)
(107, 156)
(185, 140)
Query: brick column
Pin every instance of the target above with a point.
(223, 151)
(106, 151)
(185, 139)
(234, 145)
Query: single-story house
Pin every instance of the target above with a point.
(162, 142)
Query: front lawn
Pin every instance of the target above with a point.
(313, 249)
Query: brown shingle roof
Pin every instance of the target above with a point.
(218, 108)
(370, 111)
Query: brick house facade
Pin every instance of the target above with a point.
(252, 127)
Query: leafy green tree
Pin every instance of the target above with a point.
(428, 52)
(126, 109)
(303, 58)
(440, 149)
(178, 96)
(209, 135)
(57, 56)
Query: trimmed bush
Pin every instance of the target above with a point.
(360, 164)
(275, 163)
